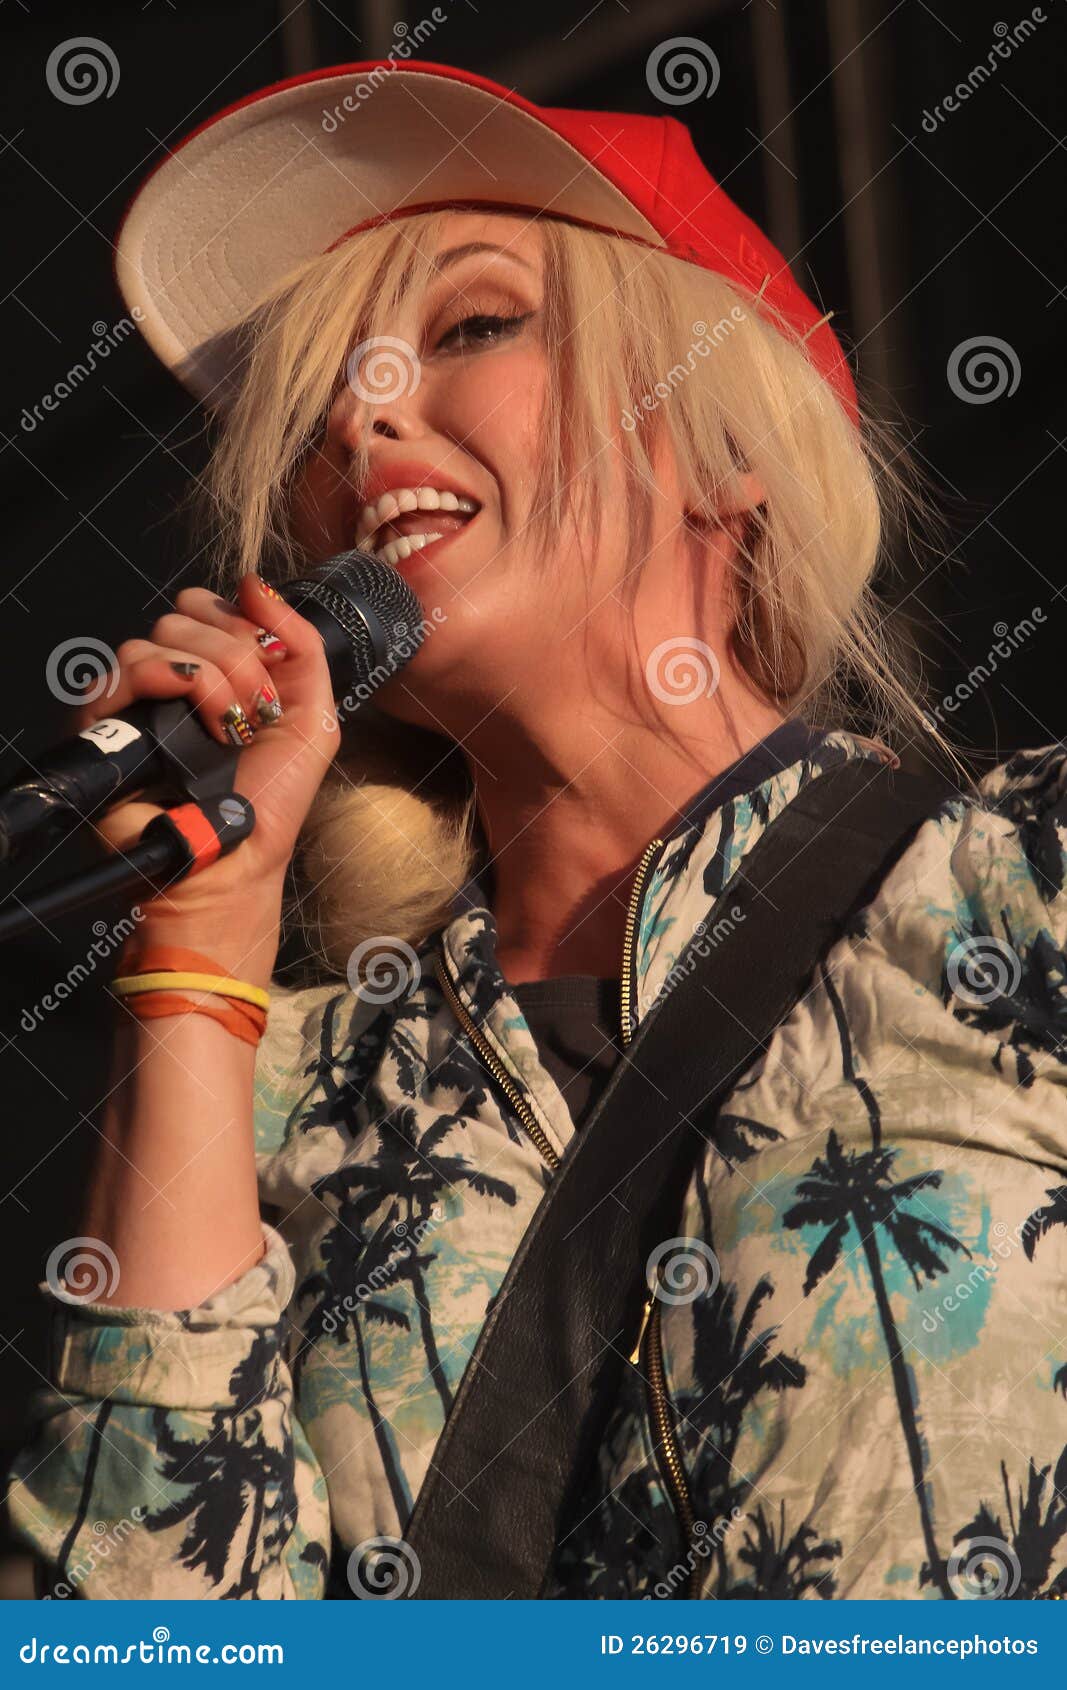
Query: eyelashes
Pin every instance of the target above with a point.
(482, 329)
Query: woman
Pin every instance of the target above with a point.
(615, 452)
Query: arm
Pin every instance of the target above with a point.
(164, 1458)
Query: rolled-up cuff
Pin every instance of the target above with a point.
(222, 1354)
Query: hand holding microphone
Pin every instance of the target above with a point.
(257, 678)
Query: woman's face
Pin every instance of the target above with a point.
(465, 420)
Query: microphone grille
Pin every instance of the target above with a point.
(373, 604)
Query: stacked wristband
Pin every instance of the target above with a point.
(155, 976)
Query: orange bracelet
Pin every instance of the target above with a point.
(244, 1020)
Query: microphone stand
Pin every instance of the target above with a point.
(211, 822)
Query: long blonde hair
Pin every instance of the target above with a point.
(673, 351)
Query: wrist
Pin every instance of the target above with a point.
(241, 939)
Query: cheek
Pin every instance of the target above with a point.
(497, 407)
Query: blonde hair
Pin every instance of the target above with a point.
(392, 835)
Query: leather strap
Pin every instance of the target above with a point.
(545, 1374)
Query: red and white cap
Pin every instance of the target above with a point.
(294, 168)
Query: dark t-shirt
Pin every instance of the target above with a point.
(574, 1020)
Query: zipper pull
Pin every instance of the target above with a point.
(646, 1315)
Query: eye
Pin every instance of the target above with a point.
(482, 329)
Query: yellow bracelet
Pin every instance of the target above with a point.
(127, 984)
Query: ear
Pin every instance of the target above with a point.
(747, 491)
(746, 494)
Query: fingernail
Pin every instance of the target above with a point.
(231, 609)
(267, 705)
(186, 670)
(238, 729)
(271, 643)
(270, 591)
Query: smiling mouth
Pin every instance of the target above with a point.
(408, 520)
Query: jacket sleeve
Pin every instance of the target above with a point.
(163, 1457)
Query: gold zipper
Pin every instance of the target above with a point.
(628, 938)
(488, 1055)
(662, 1414)
(649, 1346)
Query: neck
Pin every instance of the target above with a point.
(568, 807)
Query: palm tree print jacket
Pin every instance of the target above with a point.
(865, 1398)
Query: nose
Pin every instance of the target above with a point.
(353, 422)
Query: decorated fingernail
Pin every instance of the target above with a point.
(237, 727)
(267, 706)
(271, 644)
(186, 670)
(270, 591)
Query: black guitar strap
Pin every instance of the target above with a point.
(534, 1401)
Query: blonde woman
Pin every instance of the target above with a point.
(541, 364)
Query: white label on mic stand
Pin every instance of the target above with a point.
(111, 734)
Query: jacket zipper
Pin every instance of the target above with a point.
(648, 1350)
(528, 1119)
(649, 1346)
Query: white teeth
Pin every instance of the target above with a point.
(397, 550)
(402, 499)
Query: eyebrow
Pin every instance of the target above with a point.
(454, 254)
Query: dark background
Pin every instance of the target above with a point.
(919, 242)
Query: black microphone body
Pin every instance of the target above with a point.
(370, 623)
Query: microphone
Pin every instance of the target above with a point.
(371, 624)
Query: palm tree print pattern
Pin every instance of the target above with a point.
(869, 1390)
